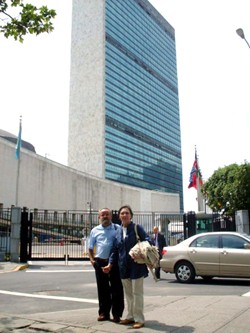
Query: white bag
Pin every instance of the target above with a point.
(145, 253)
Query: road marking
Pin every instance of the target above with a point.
(59, 271)
(60, 298)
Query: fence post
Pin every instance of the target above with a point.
(24, 237)
(190, 224)
(15, 233)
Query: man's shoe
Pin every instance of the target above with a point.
(138, 325)
(103, 318)
(126, 321)
(116, 319)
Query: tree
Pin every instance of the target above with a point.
(228, 189)
(18, 19)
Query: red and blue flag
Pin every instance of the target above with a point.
(195, 175)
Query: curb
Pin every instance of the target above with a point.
(13, 268)
(20, 267)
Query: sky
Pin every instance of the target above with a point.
(213, 65)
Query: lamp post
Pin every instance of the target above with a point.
(240, 32)
(90, 213)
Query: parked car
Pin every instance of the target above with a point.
(210, 254)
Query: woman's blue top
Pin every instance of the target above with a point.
(129, 269)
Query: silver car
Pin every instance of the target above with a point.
(211, 254)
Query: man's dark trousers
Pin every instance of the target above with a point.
(161, 243)
(110, 290)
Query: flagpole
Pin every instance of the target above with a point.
(200, 198)
(17, 182)
(18, 146)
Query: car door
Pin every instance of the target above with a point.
(234, 257)
(204, 255)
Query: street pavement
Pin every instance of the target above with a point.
(178, 314)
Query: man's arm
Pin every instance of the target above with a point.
(91, 256)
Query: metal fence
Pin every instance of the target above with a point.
(5, 229)
(61, 234)
(64, 234)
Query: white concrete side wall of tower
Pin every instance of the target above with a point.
(45, 184)
(86, 113)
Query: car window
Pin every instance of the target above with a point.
(206, 241)
(233, 242)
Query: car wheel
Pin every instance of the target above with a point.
(185, 272)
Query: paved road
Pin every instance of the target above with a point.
(169, 306)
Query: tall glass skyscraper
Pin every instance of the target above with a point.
(124, 122)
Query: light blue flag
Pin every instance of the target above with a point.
(19, 141)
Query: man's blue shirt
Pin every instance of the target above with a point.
(103, 239)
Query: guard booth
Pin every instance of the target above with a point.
(205, 222)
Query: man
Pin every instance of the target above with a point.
(160, 242)
(109, 285)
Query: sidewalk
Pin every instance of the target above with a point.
(6, 267)
(199, 314)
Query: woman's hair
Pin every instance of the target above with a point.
(128, 207)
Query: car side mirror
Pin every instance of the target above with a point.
(247, 246)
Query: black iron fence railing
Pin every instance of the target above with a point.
(64, 234)
(5, 229)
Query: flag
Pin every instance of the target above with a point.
(19, 141)
(195, 174)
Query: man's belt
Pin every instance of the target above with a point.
(101, 259)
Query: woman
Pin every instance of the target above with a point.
(132, 274)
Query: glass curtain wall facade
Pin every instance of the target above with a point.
(142, 130)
